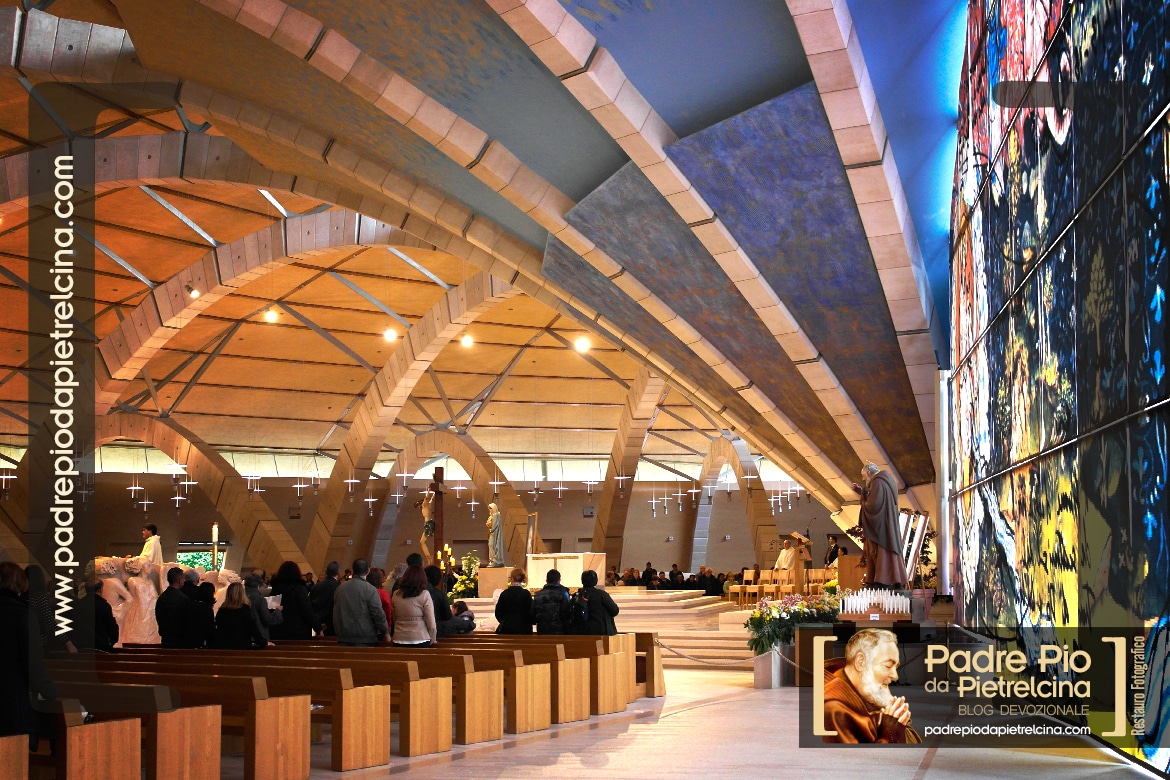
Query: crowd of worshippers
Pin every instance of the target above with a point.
(365, 606)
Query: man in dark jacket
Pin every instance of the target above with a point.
(514, 608)
(175, 614)
(439, 600)
(322, 595)
(648, 574)
(191, 584)
(105, 627)
(265, 617)
(601, 607)
(550, 606)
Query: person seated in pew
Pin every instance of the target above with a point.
(24, 676)
(102, 634)
(514, 607)
(357, 610)
(414, 615)
(236, 627)
(550, 606)
(462, 619)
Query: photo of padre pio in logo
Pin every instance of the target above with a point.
(858, 702)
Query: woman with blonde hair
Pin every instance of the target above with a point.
(235, 623)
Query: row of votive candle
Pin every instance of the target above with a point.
(885, 600)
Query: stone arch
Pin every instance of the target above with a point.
(264, 539)
(333, 527)
(734, 451)
(475, 460)
(641, 408)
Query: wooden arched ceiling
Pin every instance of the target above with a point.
(462, 188)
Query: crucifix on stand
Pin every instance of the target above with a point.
(436, 487)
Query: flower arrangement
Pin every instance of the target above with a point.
(830, 588)
(467, 584)
(774, 623)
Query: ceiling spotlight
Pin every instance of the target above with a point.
(582, 344)
(191, 291)
(389, 334)
(467, 341)
(270, 315)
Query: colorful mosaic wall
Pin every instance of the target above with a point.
(1060, 269)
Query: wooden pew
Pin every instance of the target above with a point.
(359, 706)
(178, 743)
(421, 688)
(360, 716)
(527, 694)
(626, 644)
(88, 751)
(478, 695)
(275, 728)
(652, 681)
(568, 678)
(607, 692)
(14, 756)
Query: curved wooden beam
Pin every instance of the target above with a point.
(166, 309)
(759, 516)
(45, 51)
(333, 525)
(641, 408)
(467, 452)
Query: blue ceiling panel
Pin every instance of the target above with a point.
(567, 269)
(774, 176)
(463, 55)
(635, 225)
(699, 61)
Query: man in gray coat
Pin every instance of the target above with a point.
(265, 617)
(357, 610)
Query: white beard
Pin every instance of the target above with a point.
(874, 692)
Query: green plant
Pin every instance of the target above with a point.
(774, 623)
(467, 584)
(924, 570)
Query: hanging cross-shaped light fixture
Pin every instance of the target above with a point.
(6, 477)
(695, 492)
(620, 479)
(134, 488)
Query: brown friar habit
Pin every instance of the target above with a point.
(879, 522)
(858, 721)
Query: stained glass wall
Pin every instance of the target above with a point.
(1060, 266)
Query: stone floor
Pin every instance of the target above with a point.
(713, 724)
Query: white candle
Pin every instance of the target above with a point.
(215, 533)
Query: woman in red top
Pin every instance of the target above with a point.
(375, 579)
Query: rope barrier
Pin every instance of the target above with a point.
(702, 660)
